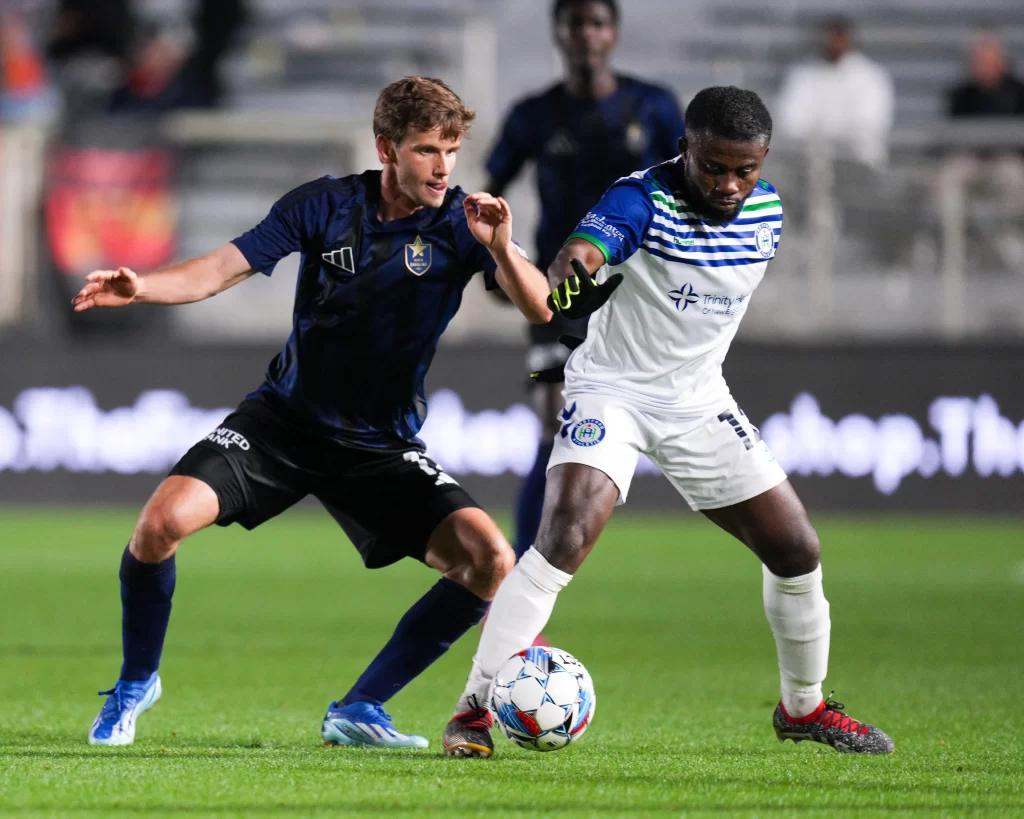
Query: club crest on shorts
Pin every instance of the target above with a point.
(418, 257)
(764, 238)
(588, 432)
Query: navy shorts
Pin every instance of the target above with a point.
(260, 462)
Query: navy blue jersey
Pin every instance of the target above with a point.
(371, 302)
(581, 146)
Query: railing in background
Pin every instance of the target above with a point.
(22, 154)
(906, 251)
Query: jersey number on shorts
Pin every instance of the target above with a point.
(733, 421)
(428, 467)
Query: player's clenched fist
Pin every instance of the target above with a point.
(107, 288)
(579, 295)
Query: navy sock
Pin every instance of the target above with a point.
(146, 591)
(427, 630)
(531, 500)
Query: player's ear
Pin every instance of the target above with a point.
(385, 150)
(683, 145)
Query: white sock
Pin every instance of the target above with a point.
(798, 614)
(520, 610)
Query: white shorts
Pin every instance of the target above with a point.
(712, 461)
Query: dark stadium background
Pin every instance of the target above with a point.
(881, 357)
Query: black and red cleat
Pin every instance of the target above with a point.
(828, 725)
(469, 733)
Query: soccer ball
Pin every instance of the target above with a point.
(543, 698)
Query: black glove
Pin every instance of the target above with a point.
(579, 295)
(556, 375)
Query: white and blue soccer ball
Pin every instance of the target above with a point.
(543, 698)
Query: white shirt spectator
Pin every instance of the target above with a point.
(849, 101)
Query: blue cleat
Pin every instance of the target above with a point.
(364, 725)
(115, 724)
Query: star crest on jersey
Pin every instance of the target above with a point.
(418, 257)
(342, 257)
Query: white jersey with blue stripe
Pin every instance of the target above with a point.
(661, 339)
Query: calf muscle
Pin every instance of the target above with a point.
(578, 502)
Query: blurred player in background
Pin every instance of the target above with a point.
(583, 133)
(687, 242)
(385, 258)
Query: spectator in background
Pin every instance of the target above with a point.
(25, 94)
(844, 97)
(993, 180)
(991, 90)
(155, 71)
(167, 75)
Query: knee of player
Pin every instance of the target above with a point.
(158, 533)
(795, 553)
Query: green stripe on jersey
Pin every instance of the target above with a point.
(762, 205)
(595, 242)
(657, 196)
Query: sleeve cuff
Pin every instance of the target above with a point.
(246, 249)
(595, 242)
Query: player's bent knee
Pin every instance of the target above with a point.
(795, 554)
(174, 512)
(156, 536)
(564, 539)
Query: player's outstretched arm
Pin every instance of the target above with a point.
(490, 220)
(193, 280)
(574, 292)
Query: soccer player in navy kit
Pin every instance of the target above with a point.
(583, 133)
(385, 258)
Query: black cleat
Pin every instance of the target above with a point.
(469, 733)
(828, 725)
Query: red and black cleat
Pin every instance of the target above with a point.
(828, 725)
(469, 733)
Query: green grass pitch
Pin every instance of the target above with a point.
(927, 641)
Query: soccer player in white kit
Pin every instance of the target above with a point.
(692, 238)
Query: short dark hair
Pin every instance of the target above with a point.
(729, 112)
(420, 104)
(838, 22)
(562, 5)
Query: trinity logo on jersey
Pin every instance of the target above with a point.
(684, 297)
(711, 304)
(588, 432)
(342, 257)
(764, 238)
(418, 257)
